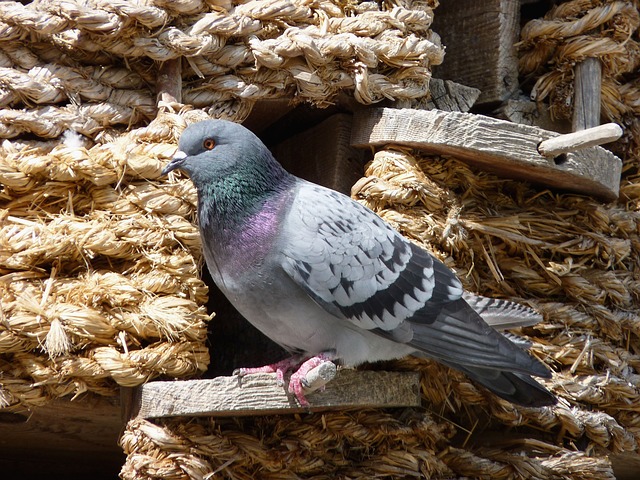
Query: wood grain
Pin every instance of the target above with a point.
(480, 37)
(169, 85)
(450, 96)
(258, 394)
(323, 154)
(502, 147)
(587, 93)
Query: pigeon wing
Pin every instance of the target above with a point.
(358, 268)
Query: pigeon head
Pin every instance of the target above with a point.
(215, 148)
(232, 170)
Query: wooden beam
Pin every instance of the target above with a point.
(323, 154)
(505, 148)
(587, 93)
(480, 37)
(169, 85)
(258, 394)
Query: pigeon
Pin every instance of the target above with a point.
(327, 279)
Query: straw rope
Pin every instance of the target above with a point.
(335, 445)
(579, 29)
(573, 259)
(99, 265)
(234, 55)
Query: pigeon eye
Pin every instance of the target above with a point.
(209, 143)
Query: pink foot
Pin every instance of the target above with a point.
(296, 382)
(279, 368)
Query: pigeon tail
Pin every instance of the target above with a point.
(514, 387)
(457, 337)
(502, 314)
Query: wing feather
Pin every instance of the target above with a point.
(406, 295)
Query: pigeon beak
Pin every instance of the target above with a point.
(176, 162)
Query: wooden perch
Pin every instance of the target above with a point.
(570, 142)
(505, 148)
(319, 377)
(258, 394)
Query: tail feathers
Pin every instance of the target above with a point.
(502, 314)
(523, 343)
(456, 334)
(515, 387)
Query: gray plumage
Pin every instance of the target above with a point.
(319, 273)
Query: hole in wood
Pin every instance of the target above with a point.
(560, 159)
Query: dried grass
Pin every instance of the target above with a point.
(61, 62)
(99, 267)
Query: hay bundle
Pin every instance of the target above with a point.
(99, 267)
(99, 259)
(578, 29)
(570, 257)
(88, 65)
(358, 445)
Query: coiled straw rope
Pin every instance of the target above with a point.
(99, 257)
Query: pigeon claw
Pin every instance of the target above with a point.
(280, 368)
(297, 382)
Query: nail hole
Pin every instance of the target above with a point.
(560, 159)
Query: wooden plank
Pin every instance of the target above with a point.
(587, 93)
(479, 36)
(505, 148)
(258, 394)
(449, 96)
(323, 154)
(73, 439)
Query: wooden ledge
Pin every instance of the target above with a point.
(505, 148)
(258, 394)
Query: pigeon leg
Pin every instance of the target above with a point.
(279, 368)
(296, 382)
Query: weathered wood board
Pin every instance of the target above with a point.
(323, 154)
(502, 147)
(63, 439)
(258, 394)
(449, 96)
(480, 37)
(587, 94)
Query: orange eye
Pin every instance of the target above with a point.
(209, 143)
